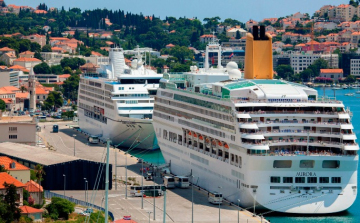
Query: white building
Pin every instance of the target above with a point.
(9, 78)
(355, 67)
(18, 129)
(300, 62)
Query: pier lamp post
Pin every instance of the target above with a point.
(64, 183)
(85, 181)
(149, 212)
(126, 178)
(192, 198)
(238, 210)
(142, 184)
(219, 202)
(74, 143)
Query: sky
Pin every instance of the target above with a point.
(242, 10)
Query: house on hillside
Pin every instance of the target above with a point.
(33, 213)
(28, 63)
(35, 191)
(6, 178)
(15, 169)
(8, 58)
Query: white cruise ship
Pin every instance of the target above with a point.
(118, 102)
(269, 143)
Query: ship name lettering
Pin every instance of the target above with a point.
(306, 174)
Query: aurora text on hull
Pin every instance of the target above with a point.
(267, 142)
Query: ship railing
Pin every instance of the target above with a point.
(298, 141)
(292, 112)
(301, 153)
(293, 121)
(295, 131)
(281, 101)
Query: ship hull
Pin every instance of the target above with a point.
(124, 132)
(238, 183)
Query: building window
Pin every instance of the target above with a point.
(312, 180)
(299, 180)
(12, 136)
(324, 180)
(336, 180)
(287, 179)
(275, 179)
(12, 129)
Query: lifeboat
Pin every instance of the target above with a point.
(226, 146)
(213, 143)
(220, 144)
(194, 134)
(189, 133)
(207, 140)
(201, 137)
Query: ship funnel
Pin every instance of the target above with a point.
(262, 33)
(258, 55)
(255, 32)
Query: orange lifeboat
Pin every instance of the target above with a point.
(207, 140)
(226, 146)
(195, 135)
(213, 143)
(189, 133)
(201, 137)
(219, 143)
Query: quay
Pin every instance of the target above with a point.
(178, 201)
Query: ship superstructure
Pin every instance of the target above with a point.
(270, 143)
(118, 102)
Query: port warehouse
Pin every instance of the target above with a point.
(57, 165)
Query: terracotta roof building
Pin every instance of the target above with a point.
(15, 169)
(34, 189)
(334, 74)
(6, 178)
(33, 213)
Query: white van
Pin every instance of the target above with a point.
(93, 139)
(169, 182)
(215, 198)
(182, 182)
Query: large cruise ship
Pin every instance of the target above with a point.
(118, 102)
(271, 144)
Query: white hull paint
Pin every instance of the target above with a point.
(256, 170)
(125, 131)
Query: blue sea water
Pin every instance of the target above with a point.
(352, 215)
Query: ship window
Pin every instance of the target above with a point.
(287, 179)
(307, 163)
(324, 180)
(275, 179)
(282, 163)
(312, 180)
(299, 180)
(335, 180)
(331, 164)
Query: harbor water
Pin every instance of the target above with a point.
(352, 215)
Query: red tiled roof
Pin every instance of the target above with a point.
(28, 59)
(22, 95)
(6, 178)
(96, 54)
(331, 71)
(64, 75)
(32, 186)
(6, 161)
(30, 210)
(6, 49)
(27, 53)
(40, 90)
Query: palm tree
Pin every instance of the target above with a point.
(39, 172)
(22, 89)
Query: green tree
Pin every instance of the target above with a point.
(42, 68)
(181, 53)
(35, 47)
(284, 71)
(70, 87)
(307, 74)
(37, 55)
(23, 88)
(317, 65)
(56, 69)
(350, 79)
(60, 208)
(2, 169)
(67, 70)
(46, 48)
(10, 204)
(39, 171)
(73, 63)
(2, 105)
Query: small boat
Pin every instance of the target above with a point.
(358, 92)
(336, 88)
(349, 94)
